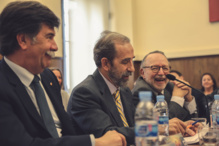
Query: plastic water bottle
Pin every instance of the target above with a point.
(146, 130)
(215, 112)
(161, 110)
(212, 136)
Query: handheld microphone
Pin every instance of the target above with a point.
(172, 77)
(198, 99)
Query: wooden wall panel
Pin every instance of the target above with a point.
(192, 68)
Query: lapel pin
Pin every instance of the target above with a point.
(50, 83)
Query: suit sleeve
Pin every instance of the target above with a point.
(86, 108)
(135, 94)
(175, 110)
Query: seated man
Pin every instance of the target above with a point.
(154, 68)
(31, 110)
(102, 102)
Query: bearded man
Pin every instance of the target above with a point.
(102, 102)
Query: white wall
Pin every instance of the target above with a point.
(55, 6)
(121, 17)
(180, 28)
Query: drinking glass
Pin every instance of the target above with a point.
(207, 136)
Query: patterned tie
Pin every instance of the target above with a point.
(119, 107)
(43, 106)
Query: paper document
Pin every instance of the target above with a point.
(192, 139)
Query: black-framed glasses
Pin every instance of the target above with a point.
(155, 68)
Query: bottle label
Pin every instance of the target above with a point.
(163, 120)
(149, 130)
(216, 118)
(213, 117)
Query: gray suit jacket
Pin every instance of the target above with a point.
(175, 110)
(92, 107)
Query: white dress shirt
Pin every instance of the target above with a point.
(190, 106)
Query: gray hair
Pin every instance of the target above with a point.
(105, 46)
(153, 52)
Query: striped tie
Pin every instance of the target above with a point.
(119, 107)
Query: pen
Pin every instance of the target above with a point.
(195, 122)
(190, 126)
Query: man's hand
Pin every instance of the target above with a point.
(111, 138)
(176, 126)
(185, 128)
(185, 91)
(177, 91)
(191, 130)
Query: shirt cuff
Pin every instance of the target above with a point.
(92, 139)
(178, 100)
(191, 106)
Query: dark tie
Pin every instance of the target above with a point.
(119, 107)
(43, 106)
(159, 93)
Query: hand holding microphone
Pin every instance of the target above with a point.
(181, 89)
(172, 77)
(202, 102)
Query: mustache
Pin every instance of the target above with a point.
(161, 76)
(128, 73)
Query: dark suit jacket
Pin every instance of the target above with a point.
(210, 97)
(202, 104)
(20, 123)
(175, 110)
(92, 107)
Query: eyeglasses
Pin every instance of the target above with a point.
(155, 69)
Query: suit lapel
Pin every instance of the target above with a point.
(167, 96)
(111, 106)
(22, 94)
(53, 91)
(108, 98)
(168, 92)
(127, 106)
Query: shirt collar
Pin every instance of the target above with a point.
(24, 75)
(157, 93)
(111, 87)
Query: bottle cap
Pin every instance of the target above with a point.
(160, 97)
(216, 96)
(145, 95)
